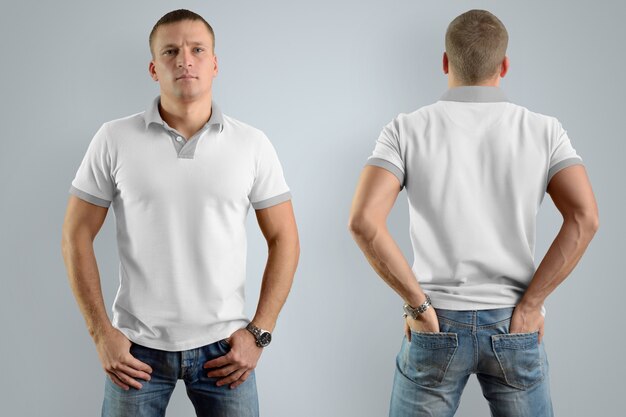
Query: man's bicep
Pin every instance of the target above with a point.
(83, 216)
(571, 191)
(277, 220)
(375, 194)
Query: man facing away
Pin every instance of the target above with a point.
(476, 169)
(181, 177)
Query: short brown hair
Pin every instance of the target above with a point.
(178, 16)
(476, 44)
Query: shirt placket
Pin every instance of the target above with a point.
(185, 148)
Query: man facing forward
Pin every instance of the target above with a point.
(181, 177)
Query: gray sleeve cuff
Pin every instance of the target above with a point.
(563, 164)
(272, 201)
(89, 198)
(382, 163)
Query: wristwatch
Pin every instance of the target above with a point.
(263, 337)
(416, 311)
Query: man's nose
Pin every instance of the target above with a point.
(184, 58)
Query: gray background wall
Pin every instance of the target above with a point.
(321, 78)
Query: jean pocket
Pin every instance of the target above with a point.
(427, 356)
(520, 358)
(223, 343)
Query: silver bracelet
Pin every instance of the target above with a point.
(416, 311)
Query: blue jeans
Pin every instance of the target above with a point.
(167, 368)
(433, 368)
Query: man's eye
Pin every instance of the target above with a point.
(168, 52)
(198, 49)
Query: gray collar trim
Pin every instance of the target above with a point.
(474, 93)
(152, 115)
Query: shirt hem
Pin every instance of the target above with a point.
(389, 166)
(562, 165)
(272, 201)
(90, 198)
(176, 347)
(470, 305)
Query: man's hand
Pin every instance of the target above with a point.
(426, 322)
(527, 320)
(237, 365)
(114, 352)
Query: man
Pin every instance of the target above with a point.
(475, 168)
(181, 177)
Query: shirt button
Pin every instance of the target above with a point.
(179, 139)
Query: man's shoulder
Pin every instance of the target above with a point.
(437, 114)
(112, 132)
(126, 124)
(534, 121)
(415, 117)
(242, 131)
(423, 112)
(436, 109)
(528, 112)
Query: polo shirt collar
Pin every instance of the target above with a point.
(152, 115)
(474, 93)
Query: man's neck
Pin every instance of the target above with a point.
(187, 117)
(452, 83)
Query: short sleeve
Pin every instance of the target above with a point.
(93, 182)
(269, 187)
(387, 152)
(562, 154)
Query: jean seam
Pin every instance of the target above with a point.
(476, 350)
(454, 323)
(445, 371)
(471, 326)
(440, 334)
(493, 325)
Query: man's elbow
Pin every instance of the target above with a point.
(586, 221)
(287, 239)
(361, 226)
(593, 222)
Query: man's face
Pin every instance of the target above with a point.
(183, 61)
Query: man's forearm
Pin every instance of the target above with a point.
(560, 259)
(282, 261)
(84, 278)
(383, 253)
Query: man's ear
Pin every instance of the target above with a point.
(152, 71)
(504, 67)
(445, 63)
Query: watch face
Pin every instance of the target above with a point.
(265, 338)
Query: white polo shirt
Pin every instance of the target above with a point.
(180, 209)
(475, 168)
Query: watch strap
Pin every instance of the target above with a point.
(257, 333)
